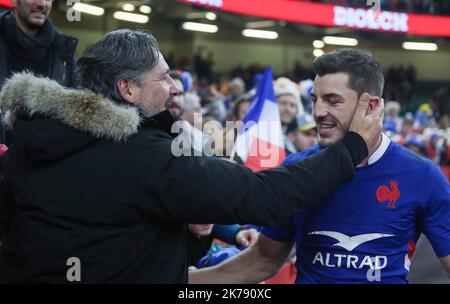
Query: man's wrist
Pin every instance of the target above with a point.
(356, 146)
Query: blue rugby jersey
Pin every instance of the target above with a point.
(366, 231)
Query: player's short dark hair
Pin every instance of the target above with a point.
(365, 73)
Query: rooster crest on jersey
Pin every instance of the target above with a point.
(384, 193)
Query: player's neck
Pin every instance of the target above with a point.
(365, 162)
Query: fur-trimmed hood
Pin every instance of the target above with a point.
(82, 110)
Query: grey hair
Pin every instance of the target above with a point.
(121, 54)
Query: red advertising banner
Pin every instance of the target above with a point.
(6, 3)
(333, 16)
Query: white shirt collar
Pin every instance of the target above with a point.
(385, 141)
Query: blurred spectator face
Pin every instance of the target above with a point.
(237, 90)
(201, 230)
(177, 105)
(407, 128)
(33, 13)
(392, 108)
(444, 122)
(191, 107)
(334, 104)
(393, 112)
(217, 110)
(305, 139)
(236, 87)
(288, 108)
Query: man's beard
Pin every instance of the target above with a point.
(151, 109)
(175, 109)
(26, 20)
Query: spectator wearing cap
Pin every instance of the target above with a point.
(289, 105)
(288, 100)
(424, 117)
(302, 132)
(392, 120)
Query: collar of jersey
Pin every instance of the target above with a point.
(385, 141)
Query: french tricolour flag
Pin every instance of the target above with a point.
(260, 142)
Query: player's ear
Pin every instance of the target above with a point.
(374, 102)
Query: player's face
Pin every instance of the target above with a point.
(334, 104)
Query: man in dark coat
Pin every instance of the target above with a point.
(94, 192)
(29, 41)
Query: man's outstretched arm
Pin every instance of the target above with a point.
(225, 193)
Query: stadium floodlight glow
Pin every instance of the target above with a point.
(340, 41)
(200, 27)
(318, 44)
(128, 7)
(420, 46)
(318, 52)
(130, 17)
(195, 15)
(201, 15)
(260, 34)
(145, 9)
(260, 24)
(89, 9)
(211, 16)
